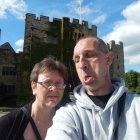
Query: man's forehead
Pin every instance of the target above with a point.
(86, 44)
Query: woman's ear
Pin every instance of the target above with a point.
(33, 86)
(109, 58)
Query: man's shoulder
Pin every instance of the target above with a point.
(68, 109)
(68, 106)
(68, 114)
(133, 96)
(132, 105)
(133, 99)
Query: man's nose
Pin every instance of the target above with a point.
(82, 64)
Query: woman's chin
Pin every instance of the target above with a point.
(52, 104)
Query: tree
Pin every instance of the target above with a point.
(138, 87)
(132, 78)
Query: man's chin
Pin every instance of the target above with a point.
(89, 87)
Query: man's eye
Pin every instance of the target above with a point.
(89, 55)
(76, 60)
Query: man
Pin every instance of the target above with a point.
(103, 110)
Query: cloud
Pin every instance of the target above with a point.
(74, 7)
(19, 43)
(128, 31)
(15, 7)
(19, 50)
(135, 59)
(100, 19)
(55, 12)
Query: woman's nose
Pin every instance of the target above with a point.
(53, 87)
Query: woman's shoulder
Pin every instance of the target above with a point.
(6, 119)
(6, 123)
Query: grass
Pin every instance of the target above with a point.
(4, 112)
(6, 107)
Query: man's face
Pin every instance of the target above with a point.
(91, 64)
(51, 96)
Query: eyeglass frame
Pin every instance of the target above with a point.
(51, 84)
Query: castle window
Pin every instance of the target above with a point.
(9, 71)
(45, 38)
(70, 35)
(51, 40)
(4, 51)
(118, 67)
(75, 36)
(8, 90)
(79, 36)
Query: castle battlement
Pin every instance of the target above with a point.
(56, 20)
(44, 18)
(120, 43)
(32, 18)
(75, 21)
(114, 46)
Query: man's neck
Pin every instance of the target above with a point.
(101, 92)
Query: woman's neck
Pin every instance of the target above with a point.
(41, 113)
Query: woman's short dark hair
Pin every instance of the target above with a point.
(48, 65)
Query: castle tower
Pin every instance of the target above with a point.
(117, 68)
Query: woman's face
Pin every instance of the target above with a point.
(49, 89)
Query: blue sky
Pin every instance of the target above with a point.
(117, 20)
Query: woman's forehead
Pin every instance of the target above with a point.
(49, 75)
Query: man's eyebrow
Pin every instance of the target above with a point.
(73, 57)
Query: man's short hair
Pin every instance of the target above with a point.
(48, 65)
(102, 45)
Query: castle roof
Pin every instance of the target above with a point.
(7, 46)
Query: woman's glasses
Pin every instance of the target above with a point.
(49, 84)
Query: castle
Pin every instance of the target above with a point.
(56, 38)
(9, 73)
(59, 38)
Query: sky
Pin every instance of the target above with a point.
(117, 20)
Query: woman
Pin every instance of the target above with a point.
(32, 121)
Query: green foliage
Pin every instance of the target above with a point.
(138, 87)
(132, 79)
(24, 99)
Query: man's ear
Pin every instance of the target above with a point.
(109, 58)
(33, 86)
